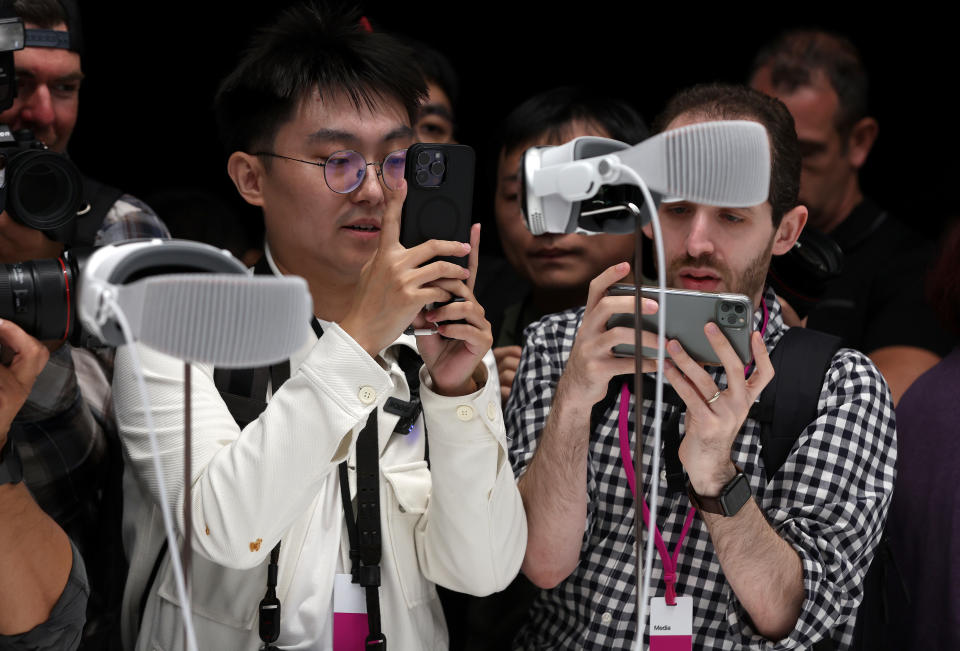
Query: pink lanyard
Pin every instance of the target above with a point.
(763, 331)
(669, 562)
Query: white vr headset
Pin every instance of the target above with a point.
(193, 301)
(585, 185)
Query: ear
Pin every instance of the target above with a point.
(789, 230)
(862, 137)
(246, 171)
(647, 230)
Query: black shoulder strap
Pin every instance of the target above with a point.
(244, 390)
(100, 197)
(800, 361)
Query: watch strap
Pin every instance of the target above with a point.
(728, 503)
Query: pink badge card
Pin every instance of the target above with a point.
(350, 627)
(671, 627)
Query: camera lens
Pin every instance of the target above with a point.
(724, 307)
(44, 189)
(437, 168)
(423, 159)
(738, 309)
(37, 296)
(422, 177)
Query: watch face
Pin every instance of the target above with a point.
(736, 495)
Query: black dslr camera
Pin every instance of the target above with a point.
(39, 188)
(42, 190)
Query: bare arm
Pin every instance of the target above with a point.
(762, 568)
(901, 365)
(35, 561)
(554, 492)
(35, 554)
(554, 487)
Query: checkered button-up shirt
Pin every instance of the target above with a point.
(829, 500)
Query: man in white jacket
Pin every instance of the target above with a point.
(314, 116)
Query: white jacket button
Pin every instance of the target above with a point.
(367, 395)
(464, 412)
(492, 411)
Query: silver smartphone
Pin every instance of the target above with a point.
(687, 313)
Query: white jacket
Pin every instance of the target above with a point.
(460, 524)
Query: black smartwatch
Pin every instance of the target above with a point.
(731, 499)
(11, 470)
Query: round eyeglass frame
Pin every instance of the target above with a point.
(362, 172)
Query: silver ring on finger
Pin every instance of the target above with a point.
(714, 398)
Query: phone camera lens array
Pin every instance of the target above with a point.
(431, 167)
(732, 314)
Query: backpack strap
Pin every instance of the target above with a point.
(100, 197)
(800, 361)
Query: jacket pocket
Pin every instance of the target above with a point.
(407, 496)
(223, 595)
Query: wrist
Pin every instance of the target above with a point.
(358, 335)
(571, 395)
(710, 480)
(471, 385)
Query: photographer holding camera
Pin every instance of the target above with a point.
(64, 433)
(43, 586)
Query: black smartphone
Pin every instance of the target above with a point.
(439, 195)
(687, 313)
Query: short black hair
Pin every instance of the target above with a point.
(550, 112)
(436, 69)
(797, 55)
(732, 102)
(311, 46)
(45, 14)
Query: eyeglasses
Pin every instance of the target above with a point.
(345, 170)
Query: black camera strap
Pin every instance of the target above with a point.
(244, 391)
(363, 529)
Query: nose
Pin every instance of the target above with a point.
(370, 189)
(38, 107)
(700, 237)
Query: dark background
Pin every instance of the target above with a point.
(152, 69)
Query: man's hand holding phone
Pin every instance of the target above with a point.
(453, 361)
(592, 363)
(714, 416)
(394, 287)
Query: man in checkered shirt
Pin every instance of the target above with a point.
(785, 570)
